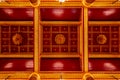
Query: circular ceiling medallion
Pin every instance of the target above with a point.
(17, 39)
(101, 39)
(60, 39)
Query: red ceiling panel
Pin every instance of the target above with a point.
(60, 14)
(16, 64)
(16, 14)
(60, 64)
(9, 34)
(104, 14)
(57, 39)
(104, 64)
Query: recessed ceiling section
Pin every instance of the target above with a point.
(60, 14)
(104, 64)
(16, 64)
(16, 14)
(60, 64)
(104, 14)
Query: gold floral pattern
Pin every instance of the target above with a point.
(17, 39)
(101, 39)
(59, 39)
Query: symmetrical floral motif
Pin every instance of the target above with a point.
(60, 39)
(17, 39)
(101, 39)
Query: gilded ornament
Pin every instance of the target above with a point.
(60, 39)
(17, 39)
(101, 39)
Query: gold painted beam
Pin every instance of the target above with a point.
(81, 40)
(15, 4)
(85, 25)
(65, 4)
(52, 55)
(40, 40)
(16, 22)
(17, 55)
(14, 75)
(56, 75)
(106, 76)
(57, 4)
(104, 55)
(60, 22)
(103, 22)
(105, 4)
(36, 39)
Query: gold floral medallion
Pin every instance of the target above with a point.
(17, 39)
(101, 39)
(60, 39)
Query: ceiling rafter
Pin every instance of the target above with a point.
(54, 3)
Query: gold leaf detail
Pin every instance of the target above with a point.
(60, 39)
(101, 39)
(17, 39)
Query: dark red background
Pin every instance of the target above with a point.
(18, 64)
(69, 64)
(18, 14)
(69, 14)
(98, 64)
(97, 14)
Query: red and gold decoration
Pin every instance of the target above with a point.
(87, 3)
(88, 76)
(35, 3)
(60, 38)
(104, 38)
(16, 38)
(101, 39)
(34, 76)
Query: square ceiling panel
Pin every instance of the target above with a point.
(16, 39)
(60, 39)
(60, 14)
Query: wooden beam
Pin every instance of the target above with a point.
(60, 22)
(56, 75)
(85, 32)
(16, 22)
(104, 22)
(36, 39)
(65, 4)
(57, 4)
(16, 55)
(104, 55)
